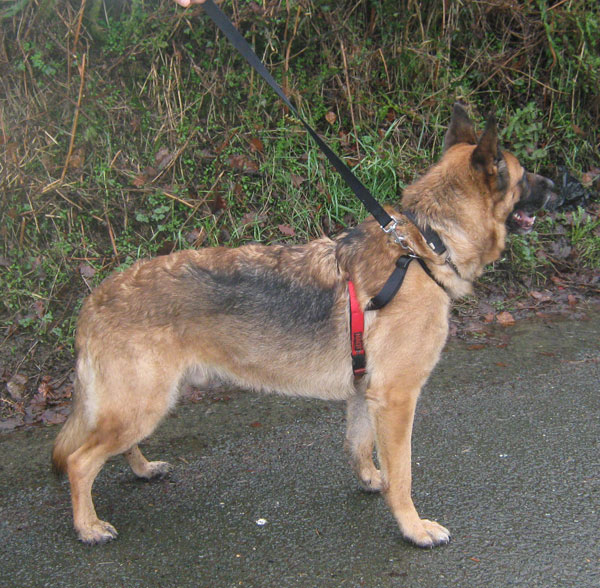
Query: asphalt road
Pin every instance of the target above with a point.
(506, 455)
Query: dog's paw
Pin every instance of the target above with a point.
(155, 470)
(96, 533)
(427, 534)
(371, 480)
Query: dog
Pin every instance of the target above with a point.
(275, 318)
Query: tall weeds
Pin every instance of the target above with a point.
(133, 128)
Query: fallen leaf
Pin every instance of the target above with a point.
(256, 8)
(286, 230)
(38, 307)
(166, 247)
(86, 270)
(489, 317)
(51, 417)
(540, 296)
(77, 159)
(257, 146)
(589, 177)
(196, 237)
(572, 300)
(242, 163)
(150, 172)
(163, 158)
(505, 319)
(217, 203)
(16, 386)
(297, 180)
(39, 400)
(45, 388)
(139, 180)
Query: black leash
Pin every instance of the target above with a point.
(236, 39)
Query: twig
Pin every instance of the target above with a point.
(81, 69)
(180, 200)
(112, 237)
(78, 29)
(286, 62)
(73, 129)
(385, 67)
(69, 200)
(556, 5)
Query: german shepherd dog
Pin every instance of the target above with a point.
(217, 313)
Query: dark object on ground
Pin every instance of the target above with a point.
(572, 192)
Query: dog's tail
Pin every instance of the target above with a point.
(71, 436)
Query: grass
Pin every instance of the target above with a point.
(133, 129)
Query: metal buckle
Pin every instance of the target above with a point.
(390, 229)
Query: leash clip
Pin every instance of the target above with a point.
(390, 229)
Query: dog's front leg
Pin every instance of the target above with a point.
(394, 411)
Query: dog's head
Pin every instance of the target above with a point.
(517, 195)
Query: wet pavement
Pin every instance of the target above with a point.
(506, 455)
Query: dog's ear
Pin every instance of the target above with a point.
(485, 157)
(461, 128)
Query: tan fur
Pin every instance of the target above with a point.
(195, 316)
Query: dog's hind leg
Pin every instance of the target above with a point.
(123, 420)
(360, 439)
(112, 436)
(83, 466)
(143, 468)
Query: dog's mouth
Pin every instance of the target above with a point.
(538, 194)
(522, 221)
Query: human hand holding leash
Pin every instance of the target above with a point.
(186, 3)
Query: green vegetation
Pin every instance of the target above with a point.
(136, 129)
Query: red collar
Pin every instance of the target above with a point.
(357, 328)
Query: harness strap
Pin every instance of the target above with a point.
(357, 329)
(357, 317)
(391, 287)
